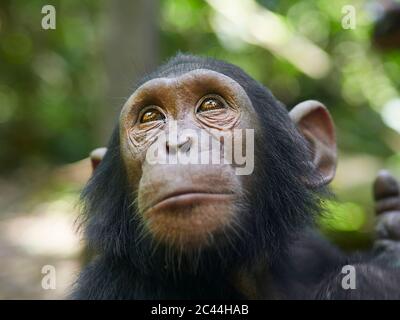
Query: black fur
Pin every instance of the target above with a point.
(278, 210)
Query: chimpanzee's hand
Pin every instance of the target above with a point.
(387, 208)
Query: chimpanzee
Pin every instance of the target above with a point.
(169, 229)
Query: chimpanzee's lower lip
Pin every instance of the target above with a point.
(188, 199)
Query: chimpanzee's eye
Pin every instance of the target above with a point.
(152, 114)
(210, 104)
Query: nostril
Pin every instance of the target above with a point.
(185, 145)
(182, 145)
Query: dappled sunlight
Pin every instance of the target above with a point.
(391, 114)
(41, 230)
(48, 230)
(254, 24)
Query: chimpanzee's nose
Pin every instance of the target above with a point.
(182, 144)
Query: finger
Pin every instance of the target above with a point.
(387, 205)
(386, 192)
(385, 185)
(388, 226)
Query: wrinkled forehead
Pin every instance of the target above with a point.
(199, 81)
(191, 76)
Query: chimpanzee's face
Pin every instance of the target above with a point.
(178, 139)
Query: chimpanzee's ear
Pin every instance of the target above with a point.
(315, 123)
(96, 156)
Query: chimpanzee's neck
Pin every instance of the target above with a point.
(256, 282)
(249, 281)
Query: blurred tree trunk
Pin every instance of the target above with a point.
(131, 50)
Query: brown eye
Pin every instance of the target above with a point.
(152, 115)
(210, 104)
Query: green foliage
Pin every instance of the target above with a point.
(346, 216)
(50, 81)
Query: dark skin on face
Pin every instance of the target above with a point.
(189, 205)
(183, 205)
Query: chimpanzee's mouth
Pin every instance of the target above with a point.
(186, 198)
(190, 219)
